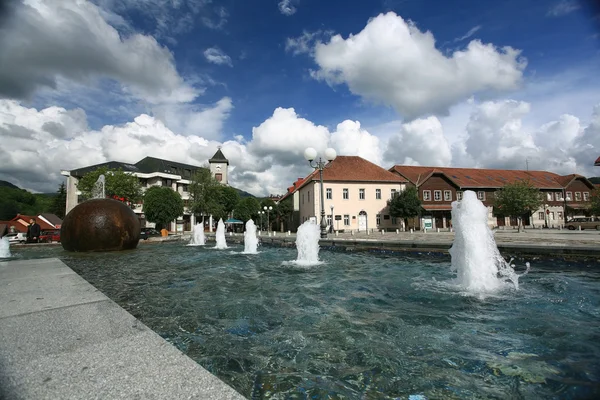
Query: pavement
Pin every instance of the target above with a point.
(61, 338)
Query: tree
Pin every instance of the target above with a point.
(282, 211)
(117, 184)
(270, 215)
(162, 205)
(595, 202)
(517, 199)
(246, 209)
(59, 203)
(405, 204)
(204, 193)
(228, 198)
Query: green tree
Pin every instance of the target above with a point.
(228, 198)
(117, 183)
(205, 192)
(517, 199)
(405, 204)
(595, 202)
(59, 203)
(246, 209)
(270, 216)
(283, 211)
(162, 205)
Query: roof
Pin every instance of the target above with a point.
(292, 189)
(597, 163)
(80, 172)
(485, 178)
(219, 157)
(354, 169)
(23, 220)
(153, 164)
(53, 219)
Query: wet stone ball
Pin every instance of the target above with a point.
(100, 225)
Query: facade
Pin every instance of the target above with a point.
(153, 171)
(438, 187)
(20, 223)
(293, 197)
(355, 198)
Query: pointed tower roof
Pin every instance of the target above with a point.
(219, 157)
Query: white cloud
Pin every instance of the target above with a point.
(286, 7)
(392, 62)
(305, 43)
(46, 41)
(419, 142)
(467, 35)
(563, 7)
(217, 56)
(351, 140)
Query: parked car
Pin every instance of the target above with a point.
(147, 232)
(584, 223)
(16, 237)
(50, 236)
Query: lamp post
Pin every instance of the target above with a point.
(331, 226)
(546, 212)
(261, 219)
(268, 210)
(311, 154)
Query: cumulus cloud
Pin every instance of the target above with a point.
(46, 41)
(350, 138)
(286, 7)
(392, 62)
(217, 56)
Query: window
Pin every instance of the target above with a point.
(569, 196)
(346, 219)
(577, 196)
(167, 182)
(552, 216)
(541, 215)
(378, 194)
(328, 193)
(560, 215)
(185, 188)
(426, 195)
(549, 196)
(187, 173)
(302, 198)
(481, 195)
(437, 195)
(361, 194)
(378, 219)
(586, 196)
(174, 170)
(394, 221)
(329, 220)
(308, 196)
(219, 177)
(458, 195)
(447, 195)
(558, 196)
(393, 193)
(386, 217)
(345, 194)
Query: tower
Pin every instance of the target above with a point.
(219, 167)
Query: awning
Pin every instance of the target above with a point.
(233, 221)
(437, 207)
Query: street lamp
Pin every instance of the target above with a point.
(261, 213)
(331, 226)
(311, 154)
(268, 210)
(546, 212)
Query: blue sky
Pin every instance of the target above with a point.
(120, 79)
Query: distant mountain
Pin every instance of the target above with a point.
(8, 184)
(595, 180)
(243, 193)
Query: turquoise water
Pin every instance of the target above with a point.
(360, 326)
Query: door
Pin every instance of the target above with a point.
(362, 221)
(500, 221)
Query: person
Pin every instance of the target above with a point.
(33, 231)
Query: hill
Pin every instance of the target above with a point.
(595, 180)
(244, 193)
(8, 184)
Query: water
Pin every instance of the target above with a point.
(363, 326)
(307, 244)
(479, 266)
(4, 248)
(98, 192)
(250, 239)
(198, 238)
(220, 235)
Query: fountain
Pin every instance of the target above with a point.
(250, 239)
(198, 238)
(98, 191)
(4, 248)
(220, 235)
(475, 256)
(307, 243)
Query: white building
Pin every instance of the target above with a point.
(153, 171)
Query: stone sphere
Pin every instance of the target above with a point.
(100, 225)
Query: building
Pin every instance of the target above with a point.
(355, 198)
(153, 171)
(20, 223)
(438, 187)
(597, 163)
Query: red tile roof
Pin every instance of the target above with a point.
(597, 163)
(23, 220)
(485, 178)
(354, 169)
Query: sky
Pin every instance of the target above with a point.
(465, 83)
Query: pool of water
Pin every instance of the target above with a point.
(359, 326)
